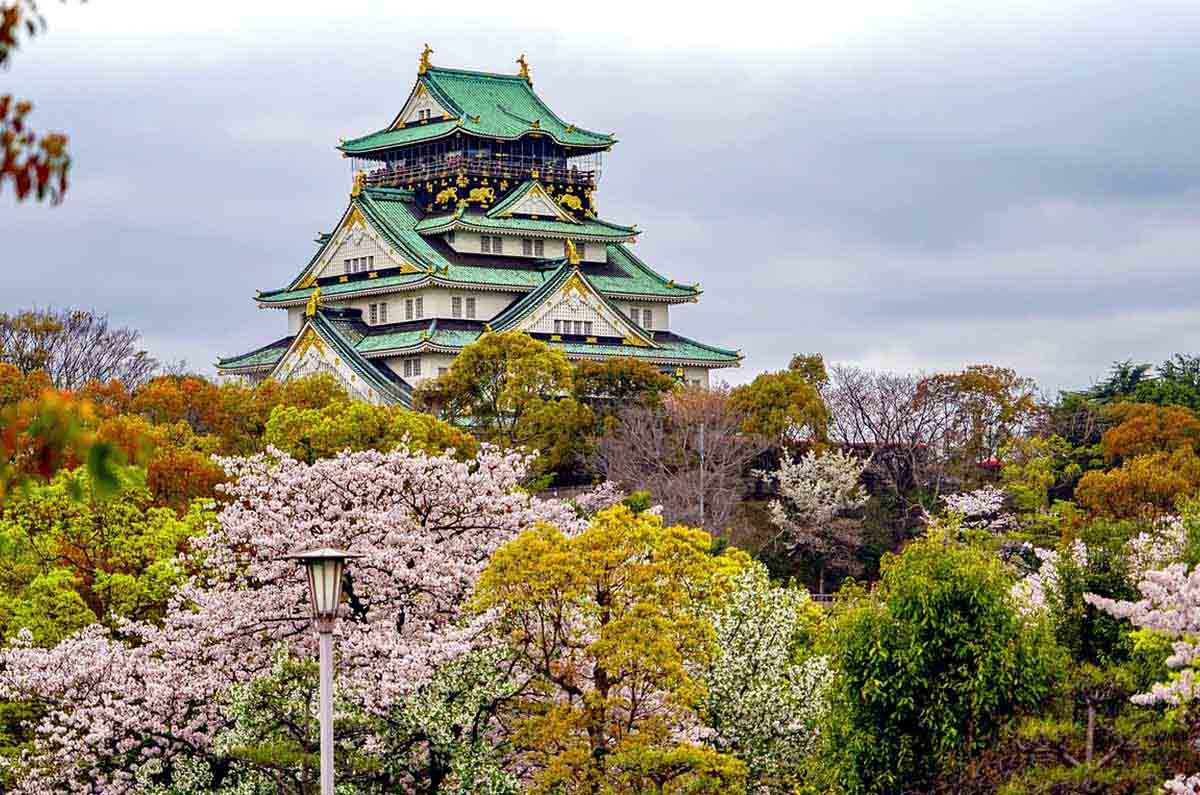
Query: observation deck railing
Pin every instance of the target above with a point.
(515, 168)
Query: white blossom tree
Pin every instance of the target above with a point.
(763, 705)
(814, 489)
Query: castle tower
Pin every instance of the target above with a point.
(474, 210)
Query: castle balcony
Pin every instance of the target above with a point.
(582, 172)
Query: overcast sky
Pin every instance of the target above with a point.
(926, 187)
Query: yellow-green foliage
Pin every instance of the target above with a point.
(311, 433)
(612, 614)
(71, 561)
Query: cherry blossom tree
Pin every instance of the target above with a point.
(1170, 604)
(152, 706)
(814, 490)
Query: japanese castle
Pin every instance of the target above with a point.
(473, 211)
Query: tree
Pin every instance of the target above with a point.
(928, 667)
(660, 451)
(73, 346)
(815, 490)
(990, 406)
(1140, 428)
(608, 386)
(784, 407)
(1123, 380)
(606, 627)
(30, 162)
(1169, 604)
(495, 381)
(904, 429)
(1145, 485)
(73, 562)
(39, 437)
(155, 706)
(764, 691)
(1087, 738)
(309, 434)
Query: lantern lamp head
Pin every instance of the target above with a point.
(324, 568)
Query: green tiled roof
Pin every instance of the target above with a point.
(672, 347)
(266, 356)
(392, 212)
(588, 229)
(505, 106)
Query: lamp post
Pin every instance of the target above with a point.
(324, 569)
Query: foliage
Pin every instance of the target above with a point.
(764, 698)
(814, 490)
(606, 626)
(928, 668)
(1147, 484)
(990, 407)
(308, 434)
(608, 386)
(784, 407)
(1143, 428)
(165, 705)
(495, 382)
(72, 562)
(73, 347)
(41, 436)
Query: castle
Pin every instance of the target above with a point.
(473, 211)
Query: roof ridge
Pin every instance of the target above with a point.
(454, 70)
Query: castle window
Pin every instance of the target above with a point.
(450, 236)
(581, 249)
(383, 312)
(539, 248)
(497, 244)
(647, 318)
(420, 310)
(408, 309)
(412, 367)
(527, 247)
(346, 266)
(456, 306)
(558, 327)
(374, 314)
(587, 327)
(470, 308)
(485, 244)
(578, 326)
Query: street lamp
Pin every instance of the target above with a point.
(324, 569)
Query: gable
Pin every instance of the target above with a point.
(421, 106)
(576, 302)
(534, 201)
(358, 241)
(311, 355)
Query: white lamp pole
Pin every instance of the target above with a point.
(324, 569)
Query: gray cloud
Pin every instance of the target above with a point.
(931, 194)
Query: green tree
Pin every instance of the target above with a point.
(311, 433)
(608, 627)
(74, 561)
(784, 407)
(928, 667)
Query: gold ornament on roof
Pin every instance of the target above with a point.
(572, 253)
(423, 67)
(360, 178)
(313, 300)
(524, 73)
